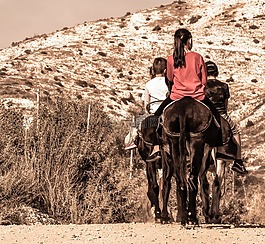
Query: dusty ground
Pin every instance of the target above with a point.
(129, 233)
(119, 51)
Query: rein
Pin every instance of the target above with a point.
(148, 106)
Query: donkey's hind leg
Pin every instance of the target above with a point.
(216, 191)
(153, 188)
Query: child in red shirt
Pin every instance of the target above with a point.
(186, 71)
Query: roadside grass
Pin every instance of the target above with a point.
(58, 169)
(64, 168)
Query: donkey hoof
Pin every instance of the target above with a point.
(157, 216)
(164, 219)
(215, 220)
(193, 221)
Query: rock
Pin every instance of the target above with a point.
(59, 84)
(28, 51)
(102, 54)
(48, 68)
(249, 123)
(156, 28)
(230, 80)
(81, 83)
(121, 75)
(194, 19)
(253, 27)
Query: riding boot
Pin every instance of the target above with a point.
(155, 154)
(239, 167)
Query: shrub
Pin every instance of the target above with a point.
(73, 172)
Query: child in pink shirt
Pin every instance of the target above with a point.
(186, 71)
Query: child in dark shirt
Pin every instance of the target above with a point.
(218, 93)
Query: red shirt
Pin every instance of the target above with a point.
(189, 80)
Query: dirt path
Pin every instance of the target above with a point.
(129, 233)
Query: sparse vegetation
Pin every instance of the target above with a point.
(70, 171)
(60, 167)
(60, 171)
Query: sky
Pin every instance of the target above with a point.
(25, 18)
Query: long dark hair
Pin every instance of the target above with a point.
(181, 38)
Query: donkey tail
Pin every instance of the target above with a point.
(182, 148)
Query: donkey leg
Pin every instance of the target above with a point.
(166, 184)
(165, 195)
(216, 192)
(192, 180)
(199, 156)
(205, 196)
(153, 188)
(179, 205)
(183, 214)
(205, 188)
(193, 190)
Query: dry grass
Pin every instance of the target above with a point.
(63, 169)
(74, 173)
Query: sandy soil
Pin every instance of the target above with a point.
(130, 233)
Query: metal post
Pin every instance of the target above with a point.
(131, 164)
(38, 107)
(88, 116)
(131, 157)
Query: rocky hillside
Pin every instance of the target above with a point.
(109, 59)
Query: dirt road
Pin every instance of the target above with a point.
(129, 233)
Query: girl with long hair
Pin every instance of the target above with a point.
(186, 71)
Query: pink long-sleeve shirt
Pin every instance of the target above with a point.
(189, 80)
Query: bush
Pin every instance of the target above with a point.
(54, 165)
(73, 172)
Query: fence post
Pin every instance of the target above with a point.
(131, 164)
(38, 107)
(88, 116)
(131, 157)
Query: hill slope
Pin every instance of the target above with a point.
(108, 59)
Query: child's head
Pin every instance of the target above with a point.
(159, 67)
(212, 69)
(183, 37)
(182, 41)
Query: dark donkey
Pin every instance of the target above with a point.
(189, 133)
(144, 142)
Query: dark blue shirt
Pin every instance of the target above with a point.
(218, 93)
